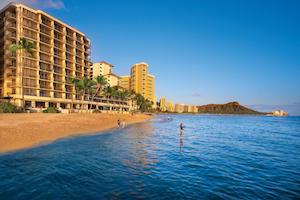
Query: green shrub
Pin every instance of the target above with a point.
(51, 110)
(96, 111)
(6, 107)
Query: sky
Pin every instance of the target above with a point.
(200, 51)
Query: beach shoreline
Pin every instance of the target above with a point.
(21, 131)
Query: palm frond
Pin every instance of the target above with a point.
(14, 48)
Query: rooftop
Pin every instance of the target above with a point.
(41, 12)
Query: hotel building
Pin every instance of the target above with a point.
(190, 109)
(142, 82)
(112, 79)
(100, 68)
(162, 104)
(170, 106)
(60, 52)
(124, 82)
(179, 108)
(104, 69)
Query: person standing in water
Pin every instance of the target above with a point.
(181, 127)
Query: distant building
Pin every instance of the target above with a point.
(105, 69)
(124, 82)
(186, 108)
(101, 68)
(162, 104)
(190, 109)
(179, 108)
(112, 79)
(170, 106)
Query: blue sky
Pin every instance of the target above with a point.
(200, 51)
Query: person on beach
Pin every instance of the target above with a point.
(123, 124)
(119, 123)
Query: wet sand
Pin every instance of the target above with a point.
(19, 131)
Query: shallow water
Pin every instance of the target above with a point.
(217, 157)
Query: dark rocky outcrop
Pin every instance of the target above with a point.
(228, 108)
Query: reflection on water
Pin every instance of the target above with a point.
(140, 150)
(215, 157)
(181, 140)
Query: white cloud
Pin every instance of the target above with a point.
(196, 94)
(54, 4)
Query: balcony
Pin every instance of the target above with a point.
(11, 25)
(57, 87)
(70, 50)
(29, 24)
(58, 27)
(45, 39)
(78, 47)
(45, 67)
(30, 15)
(57, 70)
(44, 93)
(11, 16)
(58, 44)
(70, 42)
(69, 96)
(86, 42)
(69, 65)
(29, 91)
(58, 53)
(45, 57)
(45, 31)
(79, 56)
(57, 61)
(57, 95)
(45, 48)
(69, 58)
(70, 33)
(45, 85)
(12, 35)
(58, 37)
(57, 78)
(78, 61)
(12, 54)
(46, 22)
(44, 77)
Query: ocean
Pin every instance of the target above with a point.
(215, 157)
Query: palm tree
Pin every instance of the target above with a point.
(132, 97)
(74, 81)
(83, 86)
(28, 46)
(142, 103)
(123, 95)
(101, 82)
(90, 89)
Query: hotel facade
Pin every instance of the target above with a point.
(104, 69)
(60, 52)
(142, 82)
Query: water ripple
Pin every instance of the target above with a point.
(216, 157)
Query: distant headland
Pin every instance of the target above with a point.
(232, 108)
(228, 108)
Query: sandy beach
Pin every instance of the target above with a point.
(18, 131)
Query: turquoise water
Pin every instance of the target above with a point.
(217, 157)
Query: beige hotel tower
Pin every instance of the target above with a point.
(140, 81)
(60, 52)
